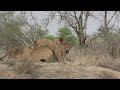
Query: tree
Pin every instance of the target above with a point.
(30, 31)
(51, 37)
(77, 20)
(108, 34)
(9, 25)
(66, 33)
(15, 27)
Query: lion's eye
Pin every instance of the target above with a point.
(67, 51)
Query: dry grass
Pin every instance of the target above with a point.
(18, 69)
(92, 58)
(25, 66)
(26, 69)
(85, 65)
(10, 62)
(69, 71)
(107, 75)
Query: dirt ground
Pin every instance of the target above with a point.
(43, 70)
(60, 71)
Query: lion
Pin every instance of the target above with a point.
(45, 50)
(13, 53)
(43, 54)
(57, 46)
(26, 52)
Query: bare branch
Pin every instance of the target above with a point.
(95, 17)
(50, 17)
(81, 20)
(61, 16)
(77, 21)
(112, 17)
(26, 35)
(25, 43)
(72, 25)
(86, 18)
(76, 17)
(34, 19)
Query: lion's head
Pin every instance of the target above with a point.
(63, 44)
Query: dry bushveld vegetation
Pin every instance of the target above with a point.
(22, 68)
(93, 59)
(97, 56)
(96, 62)
(89, 64)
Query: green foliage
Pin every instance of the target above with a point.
(67, 35)
(37, 32)
(13, 25)
(9, 26)
(51, 37)
(42, 33)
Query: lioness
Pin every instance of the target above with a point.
(44, 54)
(44, 50)
(13, 53)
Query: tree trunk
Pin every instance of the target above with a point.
(82, 41)
(105, 26)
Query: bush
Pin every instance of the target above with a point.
(26, 66)
(93, 58)
(51, 37)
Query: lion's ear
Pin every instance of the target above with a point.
(61, 39)
(35, 42)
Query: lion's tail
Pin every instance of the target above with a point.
(4, 56)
